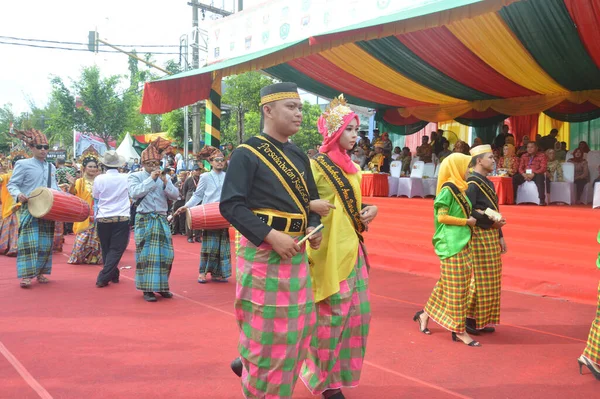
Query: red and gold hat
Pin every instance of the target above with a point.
(31, 137)
(209, 153)
(155, 150)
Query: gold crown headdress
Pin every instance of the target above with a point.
(334, 114)
(90, 154)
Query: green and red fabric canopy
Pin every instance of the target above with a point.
(477, 64)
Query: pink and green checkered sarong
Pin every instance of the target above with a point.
(592, 349)
(276, 314)
(336, 353)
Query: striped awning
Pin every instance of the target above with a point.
(483, 61)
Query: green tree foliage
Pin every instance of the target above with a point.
(242, 94)
(308, 136)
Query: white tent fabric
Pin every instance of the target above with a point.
(126, 149)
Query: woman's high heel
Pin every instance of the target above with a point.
(417, 318)
(584, 361)
(472, 343)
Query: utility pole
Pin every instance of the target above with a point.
(196, 65)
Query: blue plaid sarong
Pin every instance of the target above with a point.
(215, 254)
(153, 252)
(34, 255)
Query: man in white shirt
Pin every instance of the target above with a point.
(112, 216)
(215, 254)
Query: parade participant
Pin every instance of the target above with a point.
(189, 187)
(447, 304)
(152, 188)
(9, 226)
(487, 243)
(110, 193)
(34, 257)
(215, 254)
(267, 199)
(339, 269)
(86, 248)
(591, 355)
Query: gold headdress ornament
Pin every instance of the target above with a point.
(90, 154)
(334, 114)
(480, 149)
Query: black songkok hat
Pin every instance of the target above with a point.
(278, 91)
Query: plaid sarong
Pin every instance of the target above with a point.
(592, 350)
(153, 252)
(86, 249)
(59, 236)
(215, 254)
(337, 350)
(484, 293)
(34, 256)
(447, 304)
(276, 314)
(9, 235)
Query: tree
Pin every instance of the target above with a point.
(308, 137)
(7, 116)
(242, 94)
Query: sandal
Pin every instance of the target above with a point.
(202, 278)
(218, 279)
(42, 279)
(417, 318)
(25, 283)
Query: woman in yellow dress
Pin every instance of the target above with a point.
(86, 248)
(338, 268)
(9, 222)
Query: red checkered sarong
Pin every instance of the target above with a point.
(9, 235)
(59, 237)
(336, 353)
(484, 293)
(592, 350)
(447, 304)
(276, 314)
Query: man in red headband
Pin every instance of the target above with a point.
(34, 258)
(266, 197)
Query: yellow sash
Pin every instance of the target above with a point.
(82, 192)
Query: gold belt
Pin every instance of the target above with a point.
(113, 219)
(292, 224)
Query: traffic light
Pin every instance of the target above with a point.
(92, 42)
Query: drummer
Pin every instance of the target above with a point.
(153, 241)
(215, 254)
(34, 258)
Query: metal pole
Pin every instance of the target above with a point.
(196, 65)
(184, 46)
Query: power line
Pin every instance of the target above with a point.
(85, 44)
(76, 49)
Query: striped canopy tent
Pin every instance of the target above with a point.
(474, 62)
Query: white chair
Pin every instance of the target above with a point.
(395, 171)
(417, 170)
(593, 160)
(429, 170)
(564, 191)
(429, 180)
(437, 170)
(596, 203)
(527, 193)
(410, 187)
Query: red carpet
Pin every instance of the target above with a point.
(69, 339)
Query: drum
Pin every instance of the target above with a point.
(46, 203)
(206, 217)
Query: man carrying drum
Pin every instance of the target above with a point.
(215, 254)
(153, 242)
(34, 258)
(266, 196)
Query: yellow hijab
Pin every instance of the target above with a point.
(453, 169)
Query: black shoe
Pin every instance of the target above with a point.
(198, 239)
(149, 297)
(417, 318)
(488, 329)
(472, 343)
(236, 366)
(115, 280)
(471, 327)
(584, 361)
(191, 240)
(337, 395)
(166, 294)
(101, 285)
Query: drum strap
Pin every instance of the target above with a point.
(49, 184)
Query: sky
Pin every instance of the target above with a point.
(25, 72)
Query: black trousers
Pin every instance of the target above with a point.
(580, 185)
(540, 181)
(114, 238)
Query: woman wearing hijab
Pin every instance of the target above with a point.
(339, 270)
(359, 157)
(509, 161)
(582, 171)
(591, 355)
(448, 302)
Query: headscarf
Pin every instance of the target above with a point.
(577, 159)
(452, 170)
(209, 153)
(331, 125)
(586, 147)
